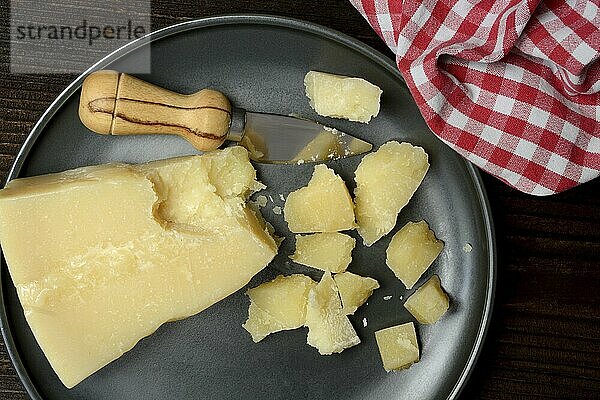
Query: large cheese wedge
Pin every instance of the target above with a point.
(102, 256)
(385, 182)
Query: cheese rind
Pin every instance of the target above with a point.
(102, 256)
(398, 346)
(282, 305)
(330, 251)
(429, 302)
(329, 329)
(341, 96)
(385, 182)
(411, 251)
(324, 205)
(354, 290)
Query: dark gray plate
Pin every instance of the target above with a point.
(260, 62)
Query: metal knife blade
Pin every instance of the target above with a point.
(281, 139)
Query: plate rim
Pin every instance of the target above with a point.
(253, 19)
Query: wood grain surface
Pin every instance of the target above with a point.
(544, 341)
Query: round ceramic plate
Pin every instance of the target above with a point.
(259, 62)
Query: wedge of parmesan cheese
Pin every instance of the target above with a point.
(102, 256)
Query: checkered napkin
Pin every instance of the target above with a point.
(513, 86)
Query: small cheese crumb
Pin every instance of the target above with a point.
(257, 187)
(270, 199)
(365, 322)
(281, 197)
(277, 210)
(300, 162)
(467, 248)
(386, 298)
(261, 201)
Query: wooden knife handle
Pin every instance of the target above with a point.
(114, 103)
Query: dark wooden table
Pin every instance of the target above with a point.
(544, 341)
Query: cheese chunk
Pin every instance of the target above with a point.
(261, 324)
(278, 305)
(331, 251)
(354, 290)
(429, 302)
(102, 256)
(411, 251)
(385, 182)
(398, 346)
(341, 96)
(324, 205)
(329, 329)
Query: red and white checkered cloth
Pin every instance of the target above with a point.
(513, 86)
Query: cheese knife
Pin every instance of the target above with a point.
(115, 103)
